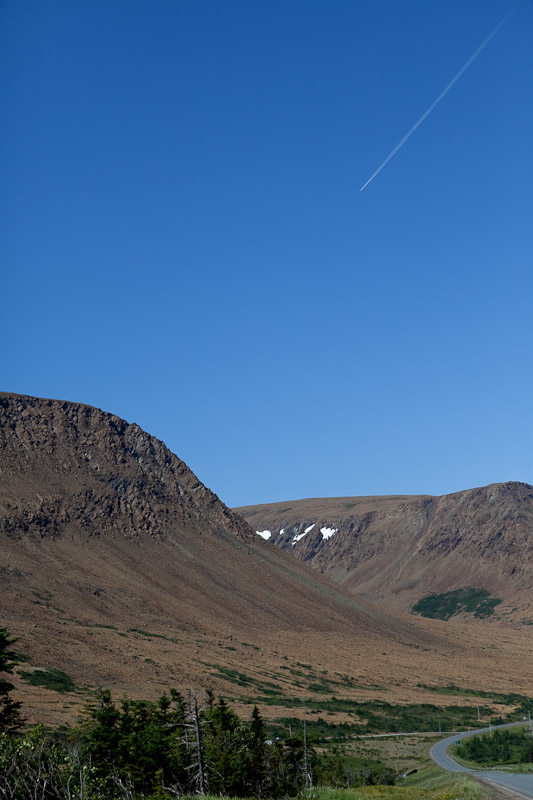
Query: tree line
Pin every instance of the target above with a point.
(156, 750)
(151, 750)
(499, 747)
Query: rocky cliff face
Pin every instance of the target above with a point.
(396, 549)
(68, 468)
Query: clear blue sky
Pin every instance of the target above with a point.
(183, 240)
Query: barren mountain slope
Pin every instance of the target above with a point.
(397, 549)
(120, 568)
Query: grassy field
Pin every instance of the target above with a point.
(430, 788)
(403, 754)
(431, 784)
(400, 753)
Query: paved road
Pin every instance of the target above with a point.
(520, 783)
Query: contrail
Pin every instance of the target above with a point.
(441, 95)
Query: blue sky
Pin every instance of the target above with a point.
(184, 242)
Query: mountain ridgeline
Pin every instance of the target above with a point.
(70, 469)
(119, 568)
(398, 550)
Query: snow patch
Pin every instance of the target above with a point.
(301, 535)
(282, 531)
(327, 533)
(265, 534)
(297, 538)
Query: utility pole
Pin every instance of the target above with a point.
(308, 777)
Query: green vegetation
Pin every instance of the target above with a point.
(154, 635)
(43, 598)
(507, 698)
(378, 716)
(10, 719)
(470, 601)
(321, 688)
(99, 625)
(140, 749)
(434, 783)
(502, 747)
(165, 749)
(281, 691)
(448, 788)
(239, 678)
(177, 747)
(54, 679)
(443, 787)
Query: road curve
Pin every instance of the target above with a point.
(522, 783)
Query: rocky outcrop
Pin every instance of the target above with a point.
(67, 467)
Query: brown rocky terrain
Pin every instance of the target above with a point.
(118, 567)
(395, 550)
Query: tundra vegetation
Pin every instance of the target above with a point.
(179, 746)
(459, 601)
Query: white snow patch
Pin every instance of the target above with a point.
(298, 537)
(327, 533)
(282, 531)
(265, 534)
(301, 535)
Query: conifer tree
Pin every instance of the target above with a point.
(10, 718)
(257, 757)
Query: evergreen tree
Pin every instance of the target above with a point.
(10, 719)
(225, 750)
(141, 743)
(257, 755)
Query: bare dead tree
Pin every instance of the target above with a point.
(195, 749)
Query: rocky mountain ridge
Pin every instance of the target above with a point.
(120, 569)
(396, 549)
(67, 467)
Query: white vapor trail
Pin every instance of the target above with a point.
(441, 95)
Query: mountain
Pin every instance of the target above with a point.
(397, 549)
(120, 569)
